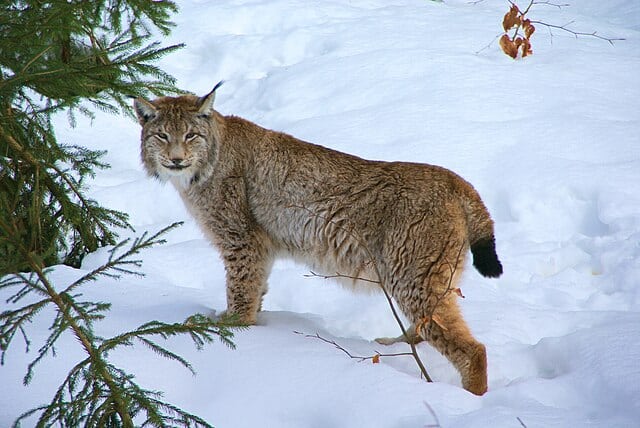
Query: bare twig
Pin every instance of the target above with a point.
(521, 423)
(349, 354)
(414, 351)
(515, 20)
(312, 274)
(452, 269)
(545, 3)
(490, 43)
(549, 3)
(412, 345)
(428, 318)
(531, 3)
(579, 33)
(435, 417)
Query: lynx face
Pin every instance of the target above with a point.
(178, 139)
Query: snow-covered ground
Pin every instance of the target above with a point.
(551, 142)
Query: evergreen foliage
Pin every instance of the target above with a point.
(75, 56)
(72, 56)
(96, 393)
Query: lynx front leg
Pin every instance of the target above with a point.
(246, 249)
(247, 265)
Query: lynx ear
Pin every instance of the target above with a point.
(206, 102)
(144, 109)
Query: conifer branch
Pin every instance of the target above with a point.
(94, 356)
(95, 390)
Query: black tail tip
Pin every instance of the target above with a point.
(485, 259)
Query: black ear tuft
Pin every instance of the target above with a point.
(206, 102)
(217, 85)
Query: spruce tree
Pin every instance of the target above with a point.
(77, 56)
(66, 56)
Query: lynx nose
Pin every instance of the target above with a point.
(177, 161)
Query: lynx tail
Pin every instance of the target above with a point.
(485, 259)
(481, 237)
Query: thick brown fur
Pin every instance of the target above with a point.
(259, 194)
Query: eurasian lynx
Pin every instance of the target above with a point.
(259, 194)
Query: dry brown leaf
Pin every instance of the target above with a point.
(420, 325)
(375, 359)
(526, 48)
(529, 29)
(458, 292)
(426, 320)
(508, 46)
(436, 319)
(512, 18)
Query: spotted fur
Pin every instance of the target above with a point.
(259, 194)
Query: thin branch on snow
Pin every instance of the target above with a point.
(544, 3)
(435, 417)
(489, 45)
(549, 3)
(375, 359)
(420, 324)
(412, 345)
(578, 33)
(312, 274)
(360, 358)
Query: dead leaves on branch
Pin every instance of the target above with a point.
(518, 29)
(511, 18)
(517, 44)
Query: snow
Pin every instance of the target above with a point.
(551, 143)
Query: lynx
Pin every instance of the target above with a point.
(259, 194)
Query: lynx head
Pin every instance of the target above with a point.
(179, 137)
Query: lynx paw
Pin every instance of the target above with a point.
(234, 319)
(413, 338)
(475, 379)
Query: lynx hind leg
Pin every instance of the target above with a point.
(449, 334)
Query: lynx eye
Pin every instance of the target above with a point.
(162, 137)
(189, 136)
